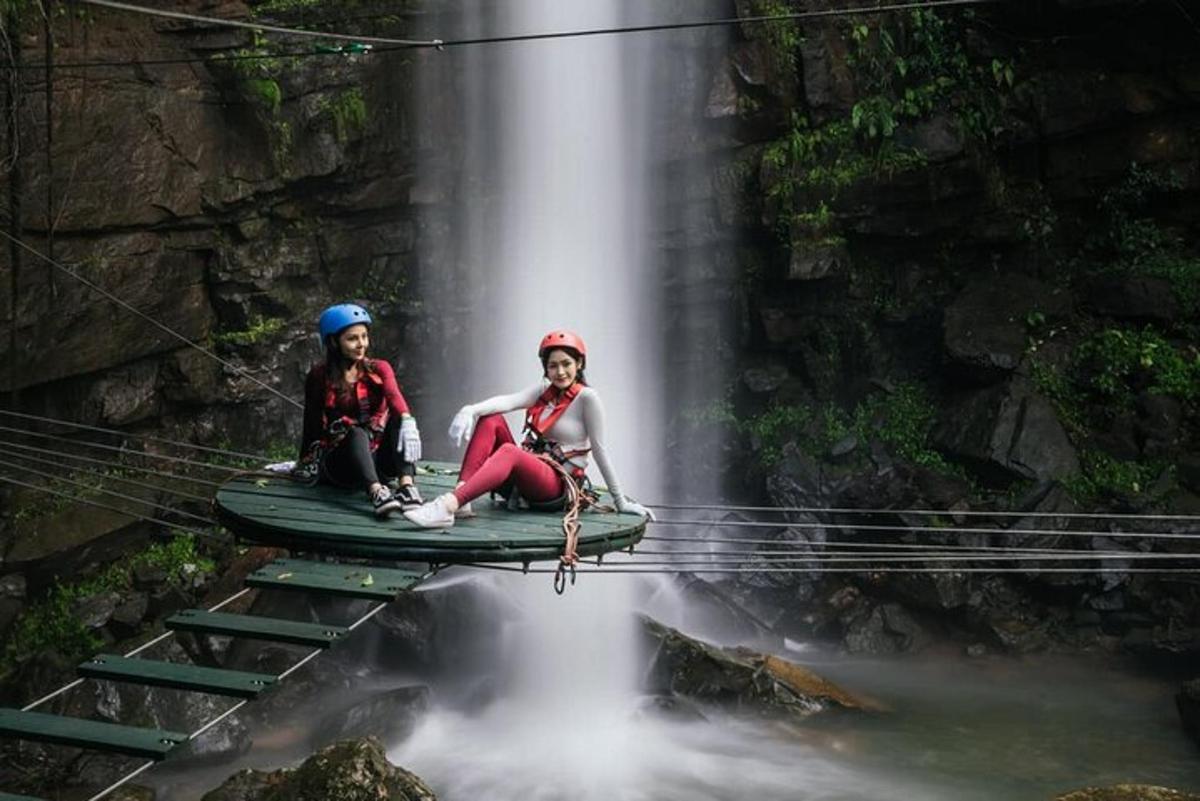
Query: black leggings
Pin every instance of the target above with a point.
(352, 465)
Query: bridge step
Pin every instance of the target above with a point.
(131, 740)
(216, 681)
(318, 635)
(354, 581)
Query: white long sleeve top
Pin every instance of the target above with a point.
(581, 426)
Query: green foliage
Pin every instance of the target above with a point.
(51, 622)
(1103, 478)
(349, 112)
(906, 73)
(1120, 360)
(1131, 242)
(901, 419)
(265, 92)
(783, 37)
(259, 331)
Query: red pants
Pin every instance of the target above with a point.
(493, 459)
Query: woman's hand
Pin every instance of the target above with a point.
(461, 426)
(410, 439)
(626, 506)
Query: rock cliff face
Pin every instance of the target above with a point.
(929, 258)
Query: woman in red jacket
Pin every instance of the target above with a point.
(358, 431)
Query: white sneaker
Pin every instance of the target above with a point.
(465, 510)
(433, 514)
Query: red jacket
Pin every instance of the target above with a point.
(375, 395)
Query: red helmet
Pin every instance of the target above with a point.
(561, 339)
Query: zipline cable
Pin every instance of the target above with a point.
(633, 560)
(145, 518)
(161, 326)
(146, 437)
(599, 571)
(110, 463)
(439, 44)
(76, 470)
(881, 549)
(118, 449)
(930, 529)
(934, 512)
(114, 493)
(258, 26)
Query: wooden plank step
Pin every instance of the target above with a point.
(318, 635)
(91, 734)
(354, 581)
(215, 681)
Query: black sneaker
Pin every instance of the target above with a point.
(408, 496)
(384, 501)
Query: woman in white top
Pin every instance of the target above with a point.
(564, 418)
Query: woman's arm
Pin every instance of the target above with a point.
(391, 390)
(499, 404)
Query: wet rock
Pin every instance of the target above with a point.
(1008, 432)
(765, 379)
(354, 770)
(938, 138)
(127, 618)
(1188, 468)
(12, 601)
(812, 259)
(712, 612)
(388, 716)
(1127, 792)
(132, 792)
(738, 678)
(985, 326)
(938, 592)
(1187, 701)
(94, 611)
(168, 600)
(885, 629)
(1135, 298)
(671, 707)
(149, 577)
(1160, 421)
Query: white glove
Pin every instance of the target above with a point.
(410, 439)
(461, 426)
(626, 506)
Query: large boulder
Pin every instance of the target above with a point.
(353, 770)
(739, 678)
(1008, 432)
(985, 327)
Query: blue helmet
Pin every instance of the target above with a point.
(343, 315)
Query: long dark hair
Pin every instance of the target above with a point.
(574, 354)
(336, 365)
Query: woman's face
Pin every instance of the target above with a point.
(561, 369)
(353, 342)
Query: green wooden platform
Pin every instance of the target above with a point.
(195, 678)
(353, 581)
(279, 511)
(316, 635)
(130, 740)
